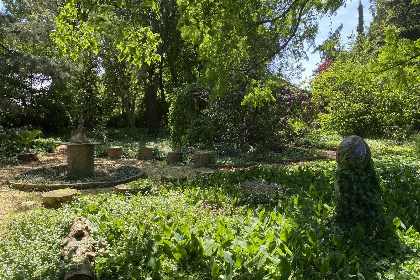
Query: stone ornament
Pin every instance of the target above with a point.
(354, 150)
(78, 135)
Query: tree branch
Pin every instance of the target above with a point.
(397, 64)
(6, 48)
(279, 16)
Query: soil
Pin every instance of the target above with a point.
(15, 202)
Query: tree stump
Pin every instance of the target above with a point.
(114, 152)
(56, 198)
(124, 190)
(79, 251)
(204, 171)
(28, 157)
(146, 153)
(173, 158)
(173, 177)
(201, 159)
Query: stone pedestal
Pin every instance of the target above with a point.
(80, 159)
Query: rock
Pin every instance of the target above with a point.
(61, 149)
(354, 150)
(56, 198)
(124, 190)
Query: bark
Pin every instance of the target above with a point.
(150, 98)
(129, 103)
(79, 251)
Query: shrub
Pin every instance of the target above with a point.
(226, 122)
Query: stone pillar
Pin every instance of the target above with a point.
(80, 160)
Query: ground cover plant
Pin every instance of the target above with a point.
(265, 222)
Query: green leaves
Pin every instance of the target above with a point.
(135, 40)
(257, 94)
(25, 138)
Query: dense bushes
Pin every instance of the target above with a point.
(371, 94)
(226, 122)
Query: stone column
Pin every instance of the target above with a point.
(80, 160)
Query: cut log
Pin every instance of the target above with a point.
(55, 198)
(79, 251)
(114, 152)
(28, 157)
(146, 153)
(201, 159)
(173, 158)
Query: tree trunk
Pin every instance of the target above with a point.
(150, 99)
(129, 106)
(79, 251)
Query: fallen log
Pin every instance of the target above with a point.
(79, 251)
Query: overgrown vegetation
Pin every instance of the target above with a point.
(202, 71)
(265, 222)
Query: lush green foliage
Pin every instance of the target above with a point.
(227, 125)
(228, 226)
(373, 89)
(25, 138)
(358, 196)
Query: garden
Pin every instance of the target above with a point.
(269, 221)
(172, 140)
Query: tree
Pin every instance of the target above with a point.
(235, 40)
(145, 35)
(30, 76)
(373, 89)
(360, 21)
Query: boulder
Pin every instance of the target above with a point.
(354, 150)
